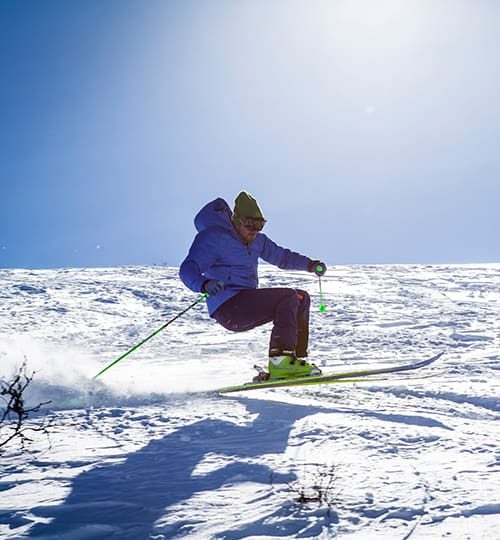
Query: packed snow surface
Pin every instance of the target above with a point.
(146, 451)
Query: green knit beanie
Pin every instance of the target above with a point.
(246, 206)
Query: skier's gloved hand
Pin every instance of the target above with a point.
(212, 286)
(318, 267)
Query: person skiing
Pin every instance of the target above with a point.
(223, 261)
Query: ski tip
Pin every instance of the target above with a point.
(430, 360)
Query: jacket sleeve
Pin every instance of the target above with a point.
(283, 257)
(200, 258)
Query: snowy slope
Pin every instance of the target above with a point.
(138, 454)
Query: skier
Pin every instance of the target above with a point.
(222, 262)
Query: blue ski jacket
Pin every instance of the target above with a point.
(218, 252)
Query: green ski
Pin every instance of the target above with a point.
(360, 375)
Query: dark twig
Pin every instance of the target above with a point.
(321, 488)
(15, 413)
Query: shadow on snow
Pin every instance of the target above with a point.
(124, 500)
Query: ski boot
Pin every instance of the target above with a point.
(288, 365)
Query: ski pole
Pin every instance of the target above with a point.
(322, 306)
(320, 269)
(135, 347)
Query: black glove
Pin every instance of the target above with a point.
(212, 286)
(318, 267)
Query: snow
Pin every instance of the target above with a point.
(146, 451)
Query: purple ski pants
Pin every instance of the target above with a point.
(286, 308)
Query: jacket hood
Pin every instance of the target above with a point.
(214, 214)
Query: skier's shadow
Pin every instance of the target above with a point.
(124, 500)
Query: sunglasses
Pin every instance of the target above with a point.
(252, 224)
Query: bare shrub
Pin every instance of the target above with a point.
(14, 413)
(318, 484)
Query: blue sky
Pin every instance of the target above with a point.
(367, 130)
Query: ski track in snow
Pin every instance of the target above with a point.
(144, 453)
